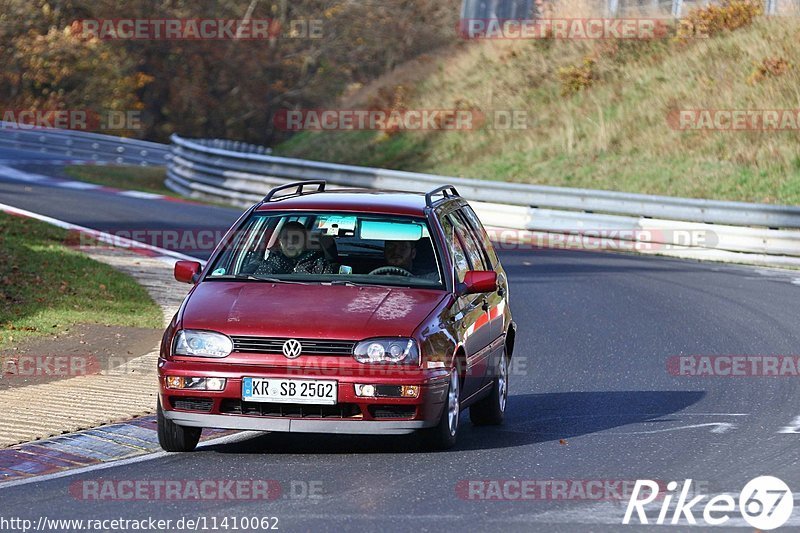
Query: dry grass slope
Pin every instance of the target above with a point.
(599, 114)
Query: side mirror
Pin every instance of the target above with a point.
(477, 281)
(187, 271)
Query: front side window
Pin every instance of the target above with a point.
(331, 247)
(463, 234)
(480, 232)
(455, 248)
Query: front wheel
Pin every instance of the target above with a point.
(175, 438)
(443, 435)
(491, 411)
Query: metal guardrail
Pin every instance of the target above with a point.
(248, 176)
(737, 231)
(241, 174)
(82, 145)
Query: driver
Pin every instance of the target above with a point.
(291, 256)
(401, 254)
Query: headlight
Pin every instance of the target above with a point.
(390, 350)
(202, 344)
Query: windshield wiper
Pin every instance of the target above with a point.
(259, 278)
(350, 283)
(276, 280)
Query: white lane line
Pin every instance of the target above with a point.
(80, 185)
(718, 427)
(119, 242)
(14, 174)
(793, 427)
(656, 417)
(141, 194)
(227, 439)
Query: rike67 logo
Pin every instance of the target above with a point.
(765, 503)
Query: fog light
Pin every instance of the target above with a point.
(174, 382)
(215, 384)
(410, 391)
(365, 390)
(180, 382)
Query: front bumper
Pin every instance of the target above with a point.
(351, 415)
(295, 425)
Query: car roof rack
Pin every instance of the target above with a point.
(299, 192)
(447, 191)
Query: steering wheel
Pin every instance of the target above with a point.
(391, 271)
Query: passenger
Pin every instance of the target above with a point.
(291, 256)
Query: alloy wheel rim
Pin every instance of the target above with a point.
(452, 403)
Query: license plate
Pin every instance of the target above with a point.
(321, 392)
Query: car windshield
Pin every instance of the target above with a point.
(346, 248)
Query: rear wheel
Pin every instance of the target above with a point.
(175, 438)
(492, 410)
(443, 435)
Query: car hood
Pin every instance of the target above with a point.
(307, 311)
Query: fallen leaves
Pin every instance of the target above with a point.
(12, 327)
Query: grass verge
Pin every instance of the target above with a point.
(133, 178)
(146, 179)
(46, 287)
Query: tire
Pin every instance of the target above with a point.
(491, 411)
(443, 436)
(175, 438)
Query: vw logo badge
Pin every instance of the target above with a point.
(292, 348)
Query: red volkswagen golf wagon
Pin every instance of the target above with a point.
(340, 311)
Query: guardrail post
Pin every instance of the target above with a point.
(772, 7)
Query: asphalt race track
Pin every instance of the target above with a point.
(591, 399)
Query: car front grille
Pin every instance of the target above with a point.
(392, 411)
(191, 404)
(289, 410)
(274, 345)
